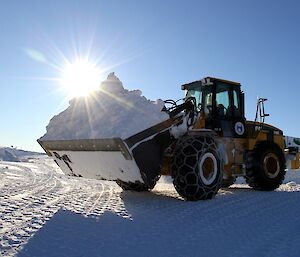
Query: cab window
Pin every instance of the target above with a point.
(197, 94)
(222, 100)
(236, 104)
(208, 103)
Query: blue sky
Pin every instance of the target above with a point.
(152, 45)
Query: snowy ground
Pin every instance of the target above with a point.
(44, 213)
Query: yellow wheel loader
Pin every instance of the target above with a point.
(204, 145)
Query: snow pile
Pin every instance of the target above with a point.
(112, 111)
(291, 184)
(11, 154)
(6, 155)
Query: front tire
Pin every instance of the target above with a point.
(196, 168)
(265, 167)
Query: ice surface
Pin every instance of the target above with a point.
(43, 213)
(112, 111)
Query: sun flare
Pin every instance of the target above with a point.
(80, 78)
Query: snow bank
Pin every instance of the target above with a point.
(15, 155)
(6, 155)
(112, 111)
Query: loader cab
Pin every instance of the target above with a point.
(221, 103)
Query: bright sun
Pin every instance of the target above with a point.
(80, 78)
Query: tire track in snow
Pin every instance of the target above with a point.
(31, 194)
(24, 210)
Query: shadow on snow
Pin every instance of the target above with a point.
(236, 223)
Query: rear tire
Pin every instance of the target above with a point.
(196, 168)
(265, 167)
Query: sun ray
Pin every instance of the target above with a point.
(117, 99)
(80, 78)
(87, 64)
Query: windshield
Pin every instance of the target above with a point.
(197, 94)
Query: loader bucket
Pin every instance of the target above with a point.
(135, 159)
(107, 159)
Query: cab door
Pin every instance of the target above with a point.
(229, 117)
(231, 122)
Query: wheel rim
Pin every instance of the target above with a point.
(271, 165)
(208, 169)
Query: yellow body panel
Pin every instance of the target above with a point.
(295, 164)
(200, 123)
(235, 148)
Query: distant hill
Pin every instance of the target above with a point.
(15, 155)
